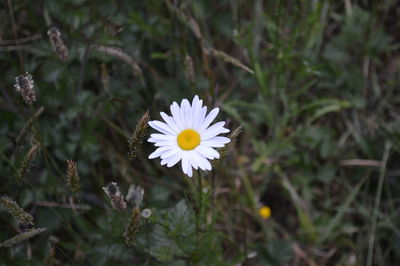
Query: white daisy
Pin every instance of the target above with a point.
(188, 137)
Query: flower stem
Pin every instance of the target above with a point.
(200, 199)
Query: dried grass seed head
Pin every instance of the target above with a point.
(135, 195)
(28, 159)
(22, 237)
(58, 44)
(16, 211)
(138, 135)
(116, 198)
(73, 176)
(24, 84)
(132, 227)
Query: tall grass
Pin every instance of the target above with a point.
(310, 86)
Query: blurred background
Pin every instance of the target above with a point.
(314, 85)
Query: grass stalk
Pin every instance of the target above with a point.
(377, 203)
(200, 200)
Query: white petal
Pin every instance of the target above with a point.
(203, 163)
(171, 161)
(196, 108)
(162, 137)
(186, 165)
(192, 160)
(190, 171)
(185, 162)
(162, 127)
(207, 152)
(176, 114)
(217, 142)
(166, 143)
(223, 140)
(170, 122)
(195, 100)
(214, 130)
(200, 115)
(208, 164)
(160, 151)
(169, 153)
(209, 118)
(152, 140)
(186, 113)
(213, 144)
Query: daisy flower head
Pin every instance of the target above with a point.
(187, 136)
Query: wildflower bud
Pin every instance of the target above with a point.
(24, 85)
(132, 228)
(117, 200)
(138, 135)
(146, 213)
(27, 161)
(22, 237)
(72, 176)
(58, 44)
(17, 212)
(135, 195)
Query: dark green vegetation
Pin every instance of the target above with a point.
(315, 85)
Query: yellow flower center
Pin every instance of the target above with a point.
(188, 139)
(265, 212)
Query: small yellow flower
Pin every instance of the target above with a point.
(265, 212)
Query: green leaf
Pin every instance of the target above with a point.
(174, 236)
(275, 252)
(326, 173)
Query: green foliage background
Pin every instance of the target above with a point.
(315, 85)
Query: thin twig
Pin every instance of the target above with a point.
(360, 162)
(14, 48)
(82, 207)
(122, 55)
(22, 40)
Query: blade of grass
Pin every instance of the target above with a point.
(341, 211)
(378, 195)
(301, 208)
